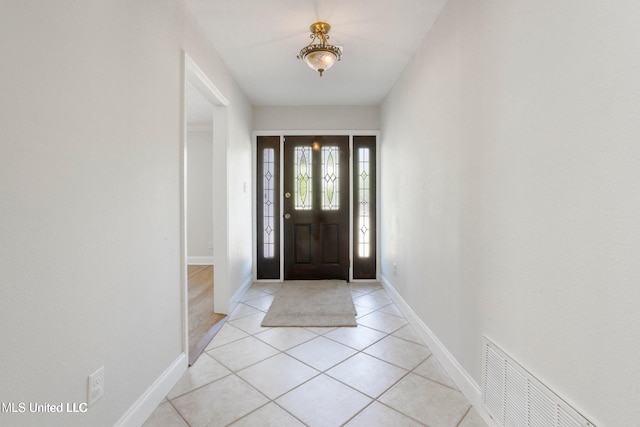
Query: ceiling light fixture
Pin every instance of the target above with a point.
(320, 56)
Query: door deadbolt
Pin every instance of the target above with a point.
(287, 195)
(287, 216)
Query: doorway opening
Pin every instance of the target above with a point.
(204, 109)
(316, 207)
(203, 321)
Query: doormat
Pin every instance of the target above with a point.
(317, 303)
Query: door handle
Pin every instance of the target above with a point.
(287, 216)
(287, 195)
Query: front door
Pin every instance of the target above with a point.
(316, 207)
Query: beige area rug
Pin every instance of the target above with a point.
(312, 303)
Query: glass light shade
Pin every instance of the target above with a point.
(320, 56)
(320, 59)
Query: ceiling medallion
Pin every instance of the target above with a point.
(320, 55)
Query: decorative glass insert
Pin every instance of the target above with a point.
(269, 191)
(364, 197)
(302, 175)
(330, 178)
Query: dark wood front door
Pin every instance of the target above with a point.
(316, 207)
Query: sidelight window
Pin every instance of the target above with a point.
(268, 207)
(364, 205)
(269, 191)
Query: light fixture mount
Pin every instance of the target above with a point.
(319, 27)
(319, 54)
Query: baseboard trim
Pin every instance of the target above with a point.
(458, 374)
(142, 409)
(200, 260)
(237, 297)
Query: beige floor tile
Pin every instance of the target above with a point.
(392, 309)
(373, 300)
(367, 374)
(261, 304)
(285, 338)
(431, 369)
(253, 293)
(407, 333)
(227, 334)
(426, 401)
(243, 353)
(473, 419)
(365, 287)
(320, 330)
(359, 337)
(380, 293)
(204, 371)
(242, 310)
(321, 353)
(165, 416)
(219, 403)
(399, 352)
(255, 376)
(250, 324)
(383, 416)
(362, 311)
(382, 322)
(356, 294)
(277, 375)
(267, 287)
(270, 415)
(323, 402)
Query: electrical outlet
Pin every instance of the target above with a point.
(95, 389)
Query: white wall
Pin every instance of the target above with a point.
(316, 118)
(199, 193)
(90, 198)
(512, 139)
(239, 248)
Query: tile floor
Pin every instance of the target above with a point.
(377, 374)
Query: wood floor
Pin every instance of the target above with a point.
(203, 322)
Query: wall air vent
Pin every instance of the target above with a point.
(515, 398)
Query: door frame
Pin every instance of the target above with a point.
(192, 74)
(281, 134)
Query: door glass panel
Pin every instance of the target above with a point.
(364, 197)
(268, 216)
(330, 178)
(303, 174)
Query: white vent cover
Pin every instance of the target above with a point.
(515, 398)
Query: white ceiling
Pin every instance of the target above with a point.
(259, 39)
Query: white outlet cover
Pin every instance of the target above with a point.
(95, 389)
